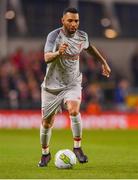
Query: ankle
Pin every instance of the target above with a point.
(77, 142)
(45, 150)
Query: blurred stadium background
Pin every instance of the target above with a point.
(112, 27)
(109, 104)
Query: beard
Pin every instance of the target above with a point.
(71, 31)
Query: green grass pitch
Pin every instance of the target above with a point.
(112, 154)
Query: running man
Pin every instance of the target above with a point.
(62, 82)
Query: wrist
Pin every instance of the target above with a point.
(57, 53)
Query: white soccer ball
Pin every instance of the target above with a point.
(65, 159)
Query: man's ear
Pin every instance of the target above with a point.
(62, 20)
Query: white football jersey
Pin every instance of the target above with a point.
(64, 70)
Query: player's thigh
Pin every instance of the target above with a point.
(74, 94)
(47, 106)
(46, 97)
(73, 107)
(72, 99)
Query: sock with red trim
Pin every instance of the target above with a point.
(76, 126)
(45, 136)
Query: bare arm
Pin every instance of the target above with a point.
(52, 56)
(96, 54)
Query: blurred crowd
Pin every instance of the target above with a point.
(20, 77)
(22, 73)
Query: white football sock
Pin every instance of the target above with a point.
(76, 126)
(45, 136)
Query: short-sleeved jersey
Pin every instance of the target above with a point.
(64, 70)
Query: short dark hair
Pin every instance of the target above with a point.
(71, 10)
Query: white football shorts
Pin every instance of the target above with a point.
(51, 101)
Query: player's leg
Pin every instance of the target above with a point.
(76, 126)
(45, 133)
(48, 116)
(76, 123)
(45, 136)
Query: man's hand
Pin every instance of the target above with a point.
(62, 48)
(97, 55)
(52, 56)
(106, 70)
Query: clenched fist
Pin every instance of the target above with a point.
(62, 48)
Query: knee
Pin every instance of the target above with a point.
(73, 112)
(73, 107)
(47, 124)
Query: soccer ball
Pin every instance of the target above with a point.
(65, 159)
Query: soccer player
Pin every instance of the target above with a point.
(62, 82)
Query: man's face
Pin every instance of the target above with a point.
(70, 22)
